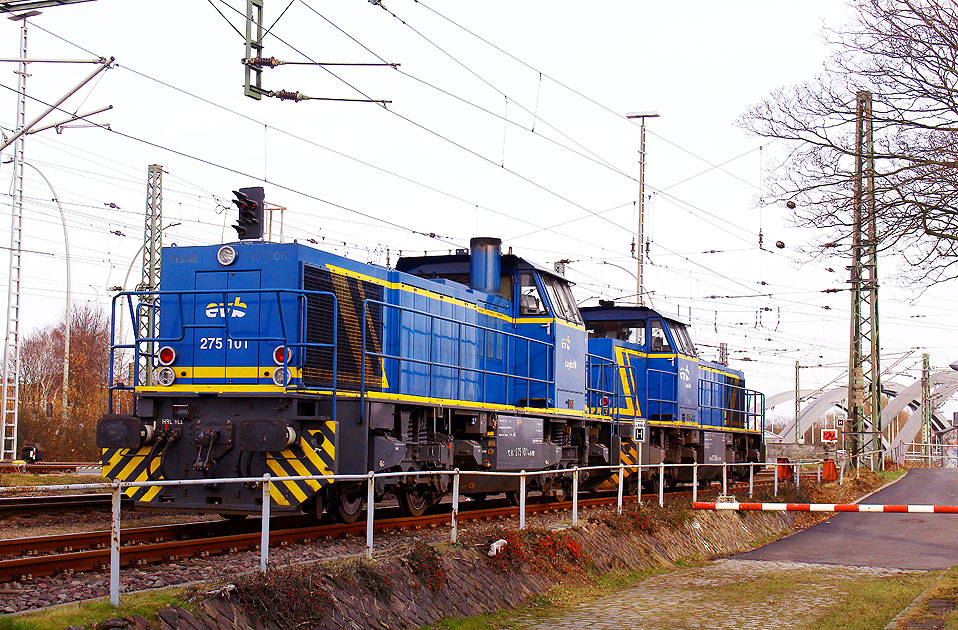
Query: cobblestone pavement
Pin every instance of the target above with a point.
(710, 597)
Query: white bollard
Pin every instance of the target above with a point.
(695, 482)
(522, 499)
(575, 496)
(370, 509)
(662, 484)
(621, 485)
(453, 532)
(264, 528)
(115, 545)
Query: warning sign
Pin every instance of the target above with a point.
(829, 436)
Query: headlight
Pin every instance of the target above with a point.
(280, 377)
(226, 255)
(165, 376)
(166, 355)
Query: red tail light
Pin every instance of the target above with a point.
(167, 355)
(282, 355)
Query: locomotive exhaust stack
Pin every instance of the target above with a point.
(485, 264)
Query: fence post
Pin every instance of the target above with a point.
(798, 475)
(724, 479)
(818, 472)
(453, 532)
(841, 473)
(776, 479)
(621, 485)
(575, 496)
(751, 479)
(522, 499)
(264, 526)
(638, 493)
(695, 482)
(370, 509)
(115, 545)
(662, 484)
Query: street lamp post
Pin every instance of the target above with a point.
(639, 254)
(69, 303)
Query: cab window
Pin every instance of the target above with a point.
(562, 300)
(660, 343)
(681, 334)
(632, 331)
(530, 300)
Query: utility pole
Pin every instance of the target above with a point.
(926, 406)
(10, 396)
(864, 288)
(640, 228)
(152, 244)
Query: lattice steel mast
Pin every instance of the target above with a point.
(864, 288)
(152, 244)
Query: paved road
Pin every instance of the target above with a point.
(902, 541)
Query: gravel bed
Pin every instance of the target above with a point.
(26, 526)
(43, 592)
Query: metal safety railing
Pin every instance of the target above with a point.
(650, 471)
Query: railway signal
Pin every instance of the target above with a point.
(250, 202)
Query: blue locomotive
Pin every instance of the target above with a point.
(289, 360)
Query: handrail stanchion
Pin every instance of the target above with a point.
(818, 472)
(522, 499)
(575, 496)
(453, 533)
(115, 545)
(798, 475)
(751, 479)
(841, 472)
(638, 483)
(370, 517)
(662, 484)
(618, 508)
(724, 479)
(264, 529)
(695, 482)
(776, 480)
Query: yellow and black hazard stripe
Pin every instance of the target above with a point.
(125, 464)
(629, 457)
(313, 454)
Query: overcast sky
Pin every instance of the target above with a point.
(506, 119)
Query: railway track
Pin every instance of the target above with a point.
(51, 504)
(48, 555)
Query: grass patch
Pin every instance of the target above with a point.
(144, 603)
(891, 475)
(870, 604)
(765, 589)
(940, 602)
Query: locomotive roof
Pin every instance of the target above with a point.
(459, 263)
(622, 313)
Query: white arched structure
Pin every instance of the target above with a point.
(943, 385)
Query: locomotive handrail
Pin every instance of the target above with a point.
(605, 363)
(661, 403)
(548, 347)
(300, 295)
(732, 415)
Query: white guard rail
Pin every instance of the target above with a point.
(116, 489)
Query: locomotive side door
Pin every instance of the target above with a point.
(533, 361)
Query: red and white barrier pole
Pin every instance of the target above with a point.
(826, 507)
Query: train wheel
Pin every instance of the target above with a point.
(512, 496)
(413, 503)
(348, 507)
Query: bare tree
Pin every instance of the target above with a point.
(906, 53)
(72, 439)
